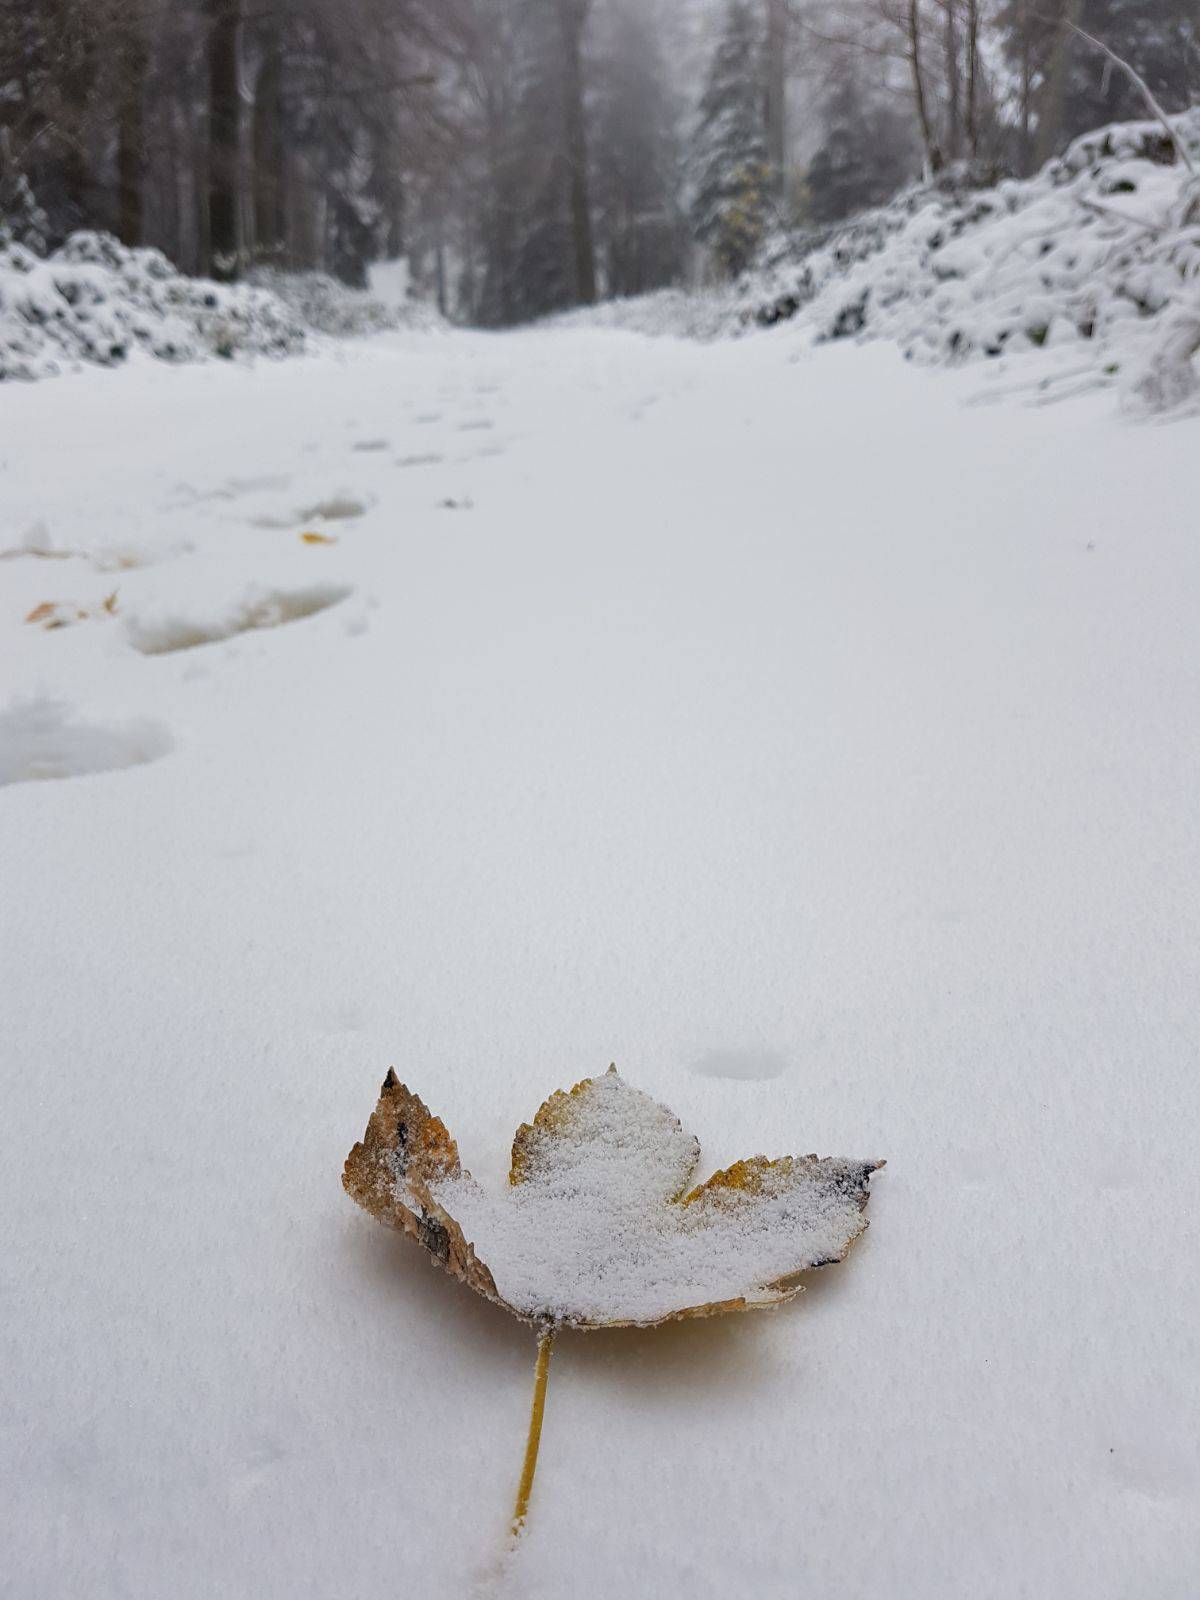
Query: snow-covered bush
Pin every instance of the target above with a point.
(1165, 376)
(1100, 250)
(94, 300)
(710, 313)
(1092, 250)
(327, 306)
(22, 220)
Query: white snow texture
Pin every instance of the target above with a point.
(816, 745)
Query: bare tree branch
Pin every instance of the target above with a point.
(1145, 91)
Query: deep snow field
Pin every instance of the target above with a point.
(816, 743)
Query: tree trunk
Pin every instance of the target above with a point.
(72, 28)
(776, 92)
(9, 176)
(224, 129)
(439, 265)
(131, 155)
(973, 79)
(933, 156)
(1026, 110)
(1054, 83)
(270, 172)
(572, 17)
(953, 85)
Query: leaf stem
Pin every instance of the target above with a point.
(541, 1372)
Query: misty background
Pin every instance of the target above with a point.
(531, 155)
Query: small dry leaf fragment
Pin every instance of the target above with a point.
(390, 1173)
(311, 537)
(600, 1225)
(61, 613)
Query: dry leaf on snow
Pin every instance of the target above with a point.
(61, 613)
(599, 1226)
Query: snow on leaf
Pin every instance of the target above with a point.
(598, 1226)
(310, 537)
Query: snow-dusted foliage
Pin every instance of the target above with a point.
(730, 169)
(328, 306)
(94, 300)
(711, 312)
(1092, 250)
(22, 220)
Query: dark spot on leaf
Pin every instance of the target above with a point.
(434, 1237)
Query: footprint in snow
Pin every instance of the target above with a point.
(340, 506)
(232, 489)
(335, 508)
(41, 739)
(156, 636)
(740, 1066)
(429, 460)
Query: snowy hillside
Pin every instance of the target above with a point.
(1093, 258)
(1088, 253)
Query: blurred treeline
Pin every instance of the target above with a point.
(533, 154)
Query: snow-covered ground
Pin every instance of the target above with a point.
(818, 746)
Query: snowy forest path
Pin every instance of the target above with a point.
(814, 745)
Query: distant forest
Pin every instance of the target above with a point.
(528, 155)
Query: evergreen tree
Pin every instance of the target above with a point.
(867, 152)
(1160, 38)
(1067, 86)
(543, 166)
(730, 167)
(544, 276)
(637, 176)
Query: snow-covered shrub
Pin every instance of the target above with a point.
(95, 301)
(1165, 376)
(327, 306)
(1090, 251)
(22, 220)
(709, 313)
